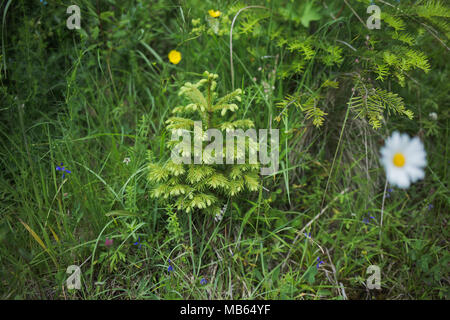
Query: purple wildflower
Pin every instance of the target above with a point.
(64, 170)
(138, 242)
(108, 242)
(388, 194)
(319, 262)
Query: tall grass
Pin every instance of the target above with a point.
(91, 98)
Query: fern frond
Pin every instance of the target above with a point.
(297, 66)
(372, 102)
(395, 22)
(236, 172)
(179, 189)
(307, 50)
(404, 37)
(194, 95)
(217, 180)
(238, 124)
(251, 180)
(159, 191)
(243, 124)
(390, 58)
(175, 123)
(197, 173)
(202, 200)
(330, 84)
(223, 108)
(295, 45)
(333, 56)
(235, 95)
(418, 59)
(312, 111)
(157, 173)
(175, 168)
(433, 9)
(235, 186)
(382, 71)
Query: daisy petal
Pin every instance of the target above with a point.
(414, 173)
(398, 177)
(394, 141)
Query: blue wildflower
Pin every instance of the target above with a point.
(138, 242)
(203, 281)
(366, 220)
(170, 269)
(44, 2)
(319, 262)
(430, 206)
(388, 194)
(64, 170)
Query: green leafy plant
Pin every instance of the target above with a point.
(204, 187)
(173, 225)
(378, 59)
(371, 102)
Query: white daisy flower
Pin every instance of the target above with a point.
(403, 159)
(126, 160)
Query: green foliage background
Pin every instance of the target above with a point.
(92, 97)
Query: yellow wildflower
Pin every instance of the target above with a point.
(213, 13)
(174, 56)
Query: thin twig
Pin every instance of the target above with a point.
(336, 152)
(231, 39)
(85, 261)
(354, 12)
(338, 284)
(323, 210)
(343, 291)
(382, 206)
(435, 36)
(348, 45)
(382, 211)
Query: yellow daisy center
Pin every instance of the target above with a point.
(399, 160)
(174, 56)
